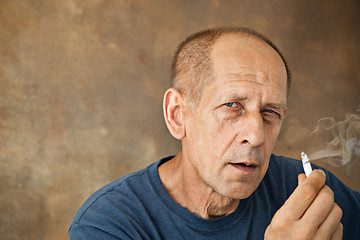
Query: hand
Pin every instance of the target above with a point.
(309, 213)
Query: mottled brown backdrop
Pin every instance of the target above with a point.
(81, 86)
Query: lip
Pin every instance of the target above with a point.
(245, 167)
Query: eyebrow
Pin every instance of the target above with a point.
(232, 96)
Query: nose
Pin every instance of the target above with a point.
(252, 130)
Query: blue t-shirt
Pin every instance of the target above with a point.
(137, 206)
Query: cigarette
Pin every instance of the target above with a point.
(306, 164)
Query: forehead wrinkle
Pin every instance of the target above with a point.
(249, 81)
(247, 77)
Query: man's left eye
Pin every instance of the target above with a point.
(269, 111)
(272, 113)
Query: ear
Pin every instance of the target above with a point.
(173, 107)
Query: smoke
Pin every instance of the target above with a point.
(338, 143)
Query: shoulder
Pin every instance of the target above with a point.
(109, 209)
(113, 190)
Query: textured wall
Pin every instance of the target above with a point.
(81, 85)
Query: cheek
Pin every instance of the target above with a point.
(208, 141)
(198, 136)
(208, 130)
(272, 133)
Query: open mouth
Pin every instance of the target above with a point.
(245, 167)
(244, 164)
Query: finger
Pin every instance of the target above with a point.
(303, 196)
(338, 234)
(301, 178)
(320, 208)
(331, 224)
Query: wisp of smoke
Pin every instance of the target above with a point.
(336, 142)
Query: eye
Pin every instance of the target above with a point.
(231, 104)
(271, 114)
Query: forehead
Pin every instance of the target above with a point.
(239, 57)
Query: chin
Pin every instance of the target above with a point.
(241, 196)
(239, 193)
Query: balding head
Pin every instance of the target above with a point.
(192, 67)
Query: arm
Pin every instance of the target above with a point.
(309, 213)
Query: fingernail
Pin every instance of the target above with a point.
(322, 172)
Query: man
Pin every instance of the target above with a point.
(226, 105)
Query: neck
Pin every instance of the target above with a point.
(184, 185)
